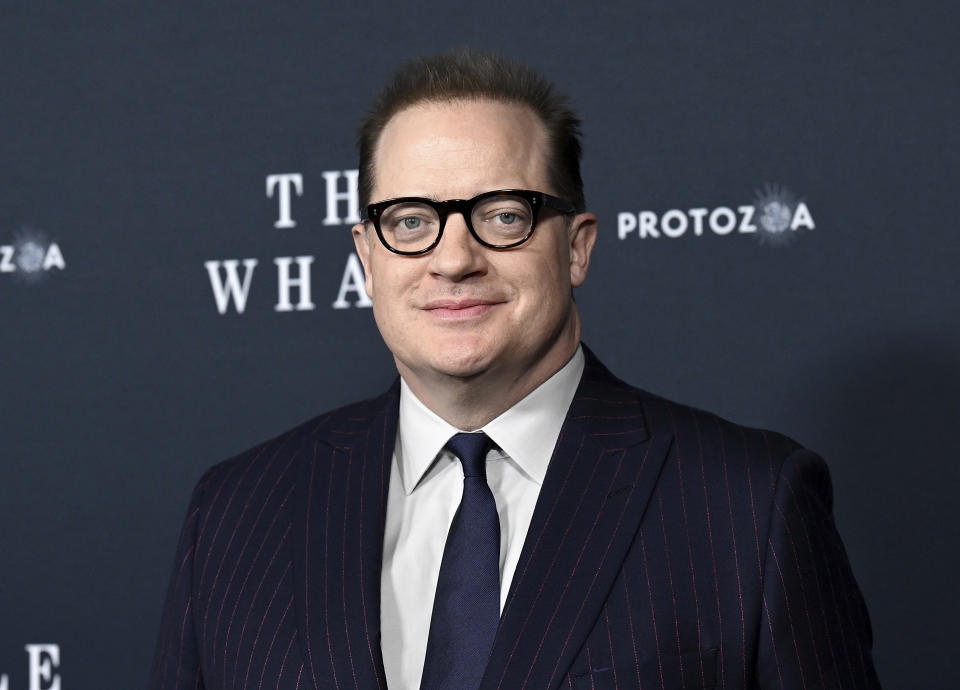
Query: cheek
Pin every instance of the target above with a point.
(397, 281)
(392, 275)
(542, 288)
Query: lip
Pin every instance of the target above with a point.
(455, 309)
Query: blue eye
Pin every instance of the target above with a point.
(410, 223)
(508, 218)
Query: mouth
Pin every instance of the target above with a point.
(459, 309)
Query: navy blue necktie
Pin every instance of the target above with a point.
(466, 609)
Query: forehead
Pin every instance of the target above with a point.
(457, 149)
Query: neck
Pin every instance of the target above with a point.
(469, 403)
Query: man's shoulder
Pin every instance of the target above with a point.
(271, 461)
(714, 433)
(750, 466)
(697, 435)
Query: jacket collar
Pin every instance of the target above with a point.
(600, 478)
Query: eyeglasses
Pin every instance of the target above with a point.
(501, 219)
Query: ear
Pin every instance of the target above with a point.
(583, 235)
(361, 240)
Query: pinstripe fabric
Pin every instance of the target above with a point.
(668, 549)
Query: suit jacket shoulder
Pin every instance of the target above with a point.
(335, 428)
(735, 574)
(247, 592)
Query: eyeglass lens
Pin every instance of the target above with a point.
(497, 220)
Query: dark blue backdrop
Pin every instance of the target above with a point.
(135, 147)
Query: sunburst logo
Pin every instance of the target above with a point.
(779, 214)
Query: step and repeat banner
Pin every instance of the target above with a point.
(778, 243)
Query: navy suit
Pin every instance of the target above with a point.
(668, 549)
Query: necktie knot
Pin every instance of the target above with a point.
(471, 449)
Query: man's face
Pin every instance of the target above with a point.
(464, 310)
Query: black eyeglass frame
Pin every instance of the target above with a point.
(464, 207)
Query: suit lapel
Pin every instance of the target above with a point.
(338, 543)
(600, 479)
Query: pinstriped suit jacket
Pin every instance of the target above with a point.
(668, 549)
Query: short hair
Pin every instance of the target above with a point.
(475, 75)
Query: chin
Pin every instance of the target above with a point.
(462, 367)
(462, 360)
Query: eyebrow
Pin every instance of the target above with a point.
(434, 197)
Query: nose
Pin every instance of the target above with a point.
(458, 255)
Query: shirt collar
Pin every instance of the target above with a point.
(527, 432)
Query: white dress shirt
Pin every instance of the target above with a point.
(426, 485)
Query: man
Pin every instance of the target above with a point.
(587, 534)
